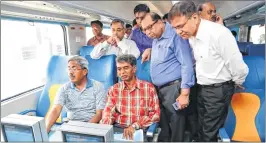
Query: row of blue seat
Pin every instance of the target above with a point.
(104, 70)
(252, 49)
(97, 67)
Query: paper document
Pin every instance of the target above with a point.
(138, 136)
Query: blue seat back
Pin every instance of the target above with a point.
(56, 76)
(256, 75)
(243, 46)
(256, 50)
(85, 50)
(103, 70)
(143, 70)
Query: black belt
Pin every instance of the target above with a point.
(170, 83)
(218, 84)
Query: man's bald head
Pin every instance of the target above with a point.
(207, 11)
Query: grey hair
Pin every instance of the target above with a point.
(128, 58)
(82, 62)
(118, 21)
(182, 8)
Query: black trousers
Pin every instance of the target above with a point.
(172, 122)
(213, 103)
(192, 114)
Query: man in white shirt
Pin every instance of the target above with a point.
(219, 66)
(116, 44)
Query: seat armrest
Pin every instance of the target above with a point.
(27, 111)
(223, 135)
(151, 130)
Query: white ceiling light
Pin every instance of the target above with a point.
(173, 2)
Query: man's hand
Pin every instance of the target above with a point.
(183, 100)
(146, 55)
(111, 40)
(128, 133)
(116, 39)
(219, 19)
(240, 86)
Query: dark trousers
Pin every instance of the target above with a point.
(172, 122)
(192, 114)
(213, 103)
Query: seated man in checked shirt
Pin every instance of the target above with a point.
(132, 104)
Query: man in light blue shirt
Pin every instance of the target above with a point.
(171, 70)
(83, 98)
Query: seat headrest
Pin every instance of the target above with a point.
(57, 69)
(243, 46)
(143, 70)
(256, 50)
(85, 50)
(103, 69)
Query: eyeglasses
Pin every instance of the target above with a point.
(179, 27)
(211, 11)
(150, 26)
(73, 69)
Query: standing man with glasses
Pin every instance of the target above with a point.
(172, 72)
(83, 98)
(208, 11)
(143, 42)
(219, 66)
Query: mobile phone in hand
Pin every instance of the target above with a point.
(175, 105)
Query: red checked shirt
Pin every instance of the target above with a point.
(138, 106)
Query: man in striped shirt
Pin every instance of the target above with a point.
(132, 104)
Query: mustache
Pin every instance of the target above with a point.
(213, 18)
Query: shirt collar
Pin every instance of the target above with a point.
(136, 85)
(167, 31)
(202, 30)
(88, 84)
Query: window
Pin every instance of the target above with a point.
(26, 48)
(257, 34)
(89, 34)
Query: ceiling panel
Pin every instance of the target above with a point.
(121, 9)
